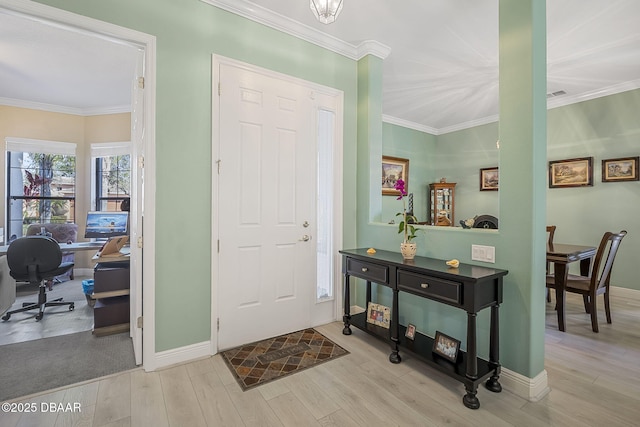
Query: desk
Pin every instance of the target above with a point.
(468, 287)
(67, 247)
(561, 255)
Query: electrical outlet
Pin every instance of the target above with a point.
(483, 253)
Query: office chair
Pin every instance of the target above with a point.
(36, 259)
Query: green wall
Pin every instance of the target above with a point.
(188, 32)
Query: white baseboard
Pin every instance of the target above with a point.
(531, 389)
(180, 355)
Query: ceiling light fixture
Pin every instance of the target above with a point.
(326, 11)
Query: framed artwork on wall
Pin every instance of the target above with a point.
(489, 178)
(393, 169)
(571, 173)
(621, 169)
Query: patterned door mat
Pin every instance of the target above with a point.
(264, 361)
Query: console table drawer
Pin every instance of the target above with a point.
(430, 287)
(368, 271)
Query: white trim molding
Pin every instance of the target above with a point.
(32, 105)
(531, 389)
(184, 354)
(264, 16)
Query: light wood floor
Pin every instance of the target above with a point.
(593, 377)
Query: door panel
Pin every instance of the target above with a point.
(266, 191)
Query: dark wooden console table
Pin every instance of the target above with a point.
(468, 287)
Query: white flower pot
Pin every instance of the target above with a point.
(408, 250)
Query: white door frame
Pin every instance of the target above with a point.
(117, 34)
(337, 184)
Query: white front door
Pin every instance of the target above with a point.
(266, 206)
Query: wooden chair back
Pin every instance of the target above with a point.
(603, 263)
(551, 229)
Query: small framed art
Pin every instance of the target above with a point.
(622, 169)
(489, 179)
(411, 331)
(393, 169)
(379, 315)
(571, 173)
(445, 346)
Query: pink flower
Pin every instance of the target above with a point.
(400, 187)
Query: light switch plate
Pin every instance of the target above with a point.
(483, 253)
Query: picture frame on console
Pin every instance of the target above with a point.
(411, 332)
(446, 347)
(379, 315)
(393, 169)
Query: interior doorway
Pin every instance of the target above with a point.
(142, 109)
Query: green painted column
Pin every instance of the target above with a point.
(523, 144)
(369, 139)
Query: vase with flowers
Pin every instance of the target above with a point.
(407, 247)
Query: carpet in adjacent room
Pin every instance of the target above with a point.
(35, 366)
(264, 361)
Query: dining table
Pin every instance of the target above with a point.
(561, 255)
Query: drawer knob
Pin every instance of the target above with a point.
(424, 285)
(365, 269)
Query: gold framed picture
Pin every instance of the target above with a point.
(571, 173)
(378, 314)
(489, 178)
(393, 169)
(621, 169)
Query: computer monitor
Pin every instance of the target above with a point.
(102, 225)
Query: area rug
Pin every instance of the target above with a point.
(264, 361)
(35, 366)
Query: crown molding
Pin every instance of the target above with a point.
(261, 15)
(469, 124)
(93, 111)
(551, 103)
(564, 100)
(409, 125)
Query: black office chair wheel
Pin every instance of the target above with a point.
(6, 317)
(39, 316)
(71, 307)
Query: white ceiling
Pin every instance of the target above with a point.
(441, 72)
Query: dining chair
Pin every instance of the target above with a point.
(598, 281)
(551, 230)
